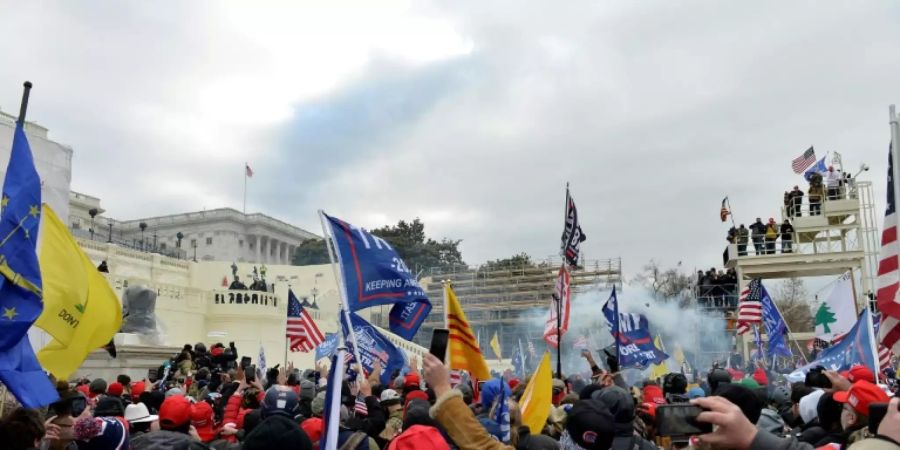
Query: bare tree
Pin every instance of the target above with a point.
(666, 284)
(792, 300)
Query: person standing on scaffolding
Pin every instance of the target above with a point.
(816, 193)
(770, 236)
(796, 196)
(787, 237)
(758, 230)
(833, 181)
(743, 235)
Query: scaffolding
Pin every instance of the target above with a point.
(510, 301)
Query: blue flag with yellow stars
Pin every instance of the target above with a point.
(20, 283)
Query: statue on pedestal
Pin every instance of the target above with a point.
(139, 308)
(234, 269)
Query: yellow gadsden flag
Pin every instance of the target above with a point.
(464, 351)
(538, 397)
(658, 370)
(495, 346)
(81, 311)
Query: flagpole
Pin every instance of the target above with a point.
(245, 188)
(618, 324)
(895, 151)
(870, 328)
(730, 211)
(853, 290)
(559, 298)
(339, 276)
(23, 108)
(787, 328)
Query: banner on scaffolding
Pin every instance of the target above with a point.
(560, 302)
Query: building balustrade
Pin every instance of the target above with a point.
(242, 297)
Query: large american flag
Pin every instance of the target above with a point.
(750, 307)
(803, 161)
(302, 332)
(888, 273)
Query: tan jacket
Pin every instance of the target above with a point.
(461, 425)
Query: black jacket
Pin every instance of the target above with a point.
(374, 423)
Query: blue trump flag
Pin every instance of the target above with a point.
(772, 320)
(501, 414)
(374, 275)
(857, 347)
(518, 361)
(372, 346)
(818, 167)
(327, 348)
(632, 336)
(20, 285)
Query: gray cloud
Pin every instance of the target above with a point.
(653, 111)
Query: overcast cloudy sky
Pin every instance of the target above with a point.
(469, 114)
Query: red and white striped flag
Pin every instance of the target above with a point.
(360, 407)
(802, 162)
(749, 307)
(455, 378)
(888, 274)
(303, 333)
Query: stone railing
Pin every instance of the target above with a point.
(243, 297)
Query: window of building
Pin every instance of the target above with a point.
(193, 243)
(209, 241)
(162, 246)
(240, 243)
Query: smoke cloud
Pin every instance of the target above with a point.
(700, 334)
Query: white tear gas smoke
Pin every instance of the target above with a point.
(700, 334)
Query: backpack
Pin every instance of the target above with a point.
(357, 438)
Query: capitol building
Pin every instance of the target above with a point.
(189, 260)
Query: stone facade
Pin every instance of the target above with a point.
(223, 234)
(52, 160)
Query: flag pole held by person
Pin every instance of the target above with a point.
(339, 276)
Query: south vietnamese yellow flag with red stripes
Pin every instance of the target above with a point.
(464, 351)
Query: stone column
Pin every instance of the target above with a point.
(257, 242)
(283, 251)
(266, 251)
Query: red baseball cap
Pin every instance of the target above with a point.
(115, 389)
(861, 395)
(174, 412)
(202, 420)
(313, 428)
(654, 394)
(137, 388)
(856, 373)
(411, 380)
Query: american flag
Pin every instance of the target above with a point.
(248, 171)
(455, 378)
(360, 407)
(303, 333)
(888, 274)
(884, 353)
(803, 161)
(750, 307)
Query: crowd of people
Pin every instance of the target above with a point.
(207, 399)
(717, 288)
(764, 237)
